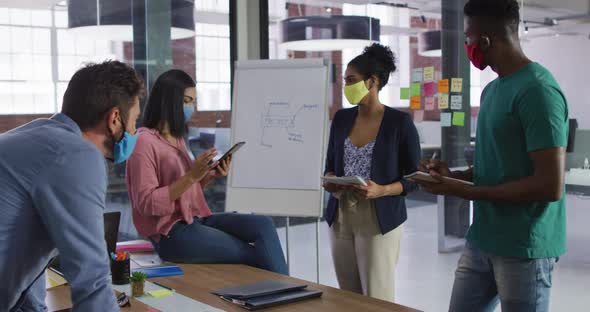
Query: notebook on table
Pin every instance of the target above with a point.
(266, 294)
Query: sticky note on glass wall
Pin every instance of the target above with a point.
(415, 89)
(456, 102)
(459, 119)
(417, 74)
(445, 119)
(457, 85)
(429, 103)
(418, 116)
(443, 100)
(404, 93)
(415, 103)
(429, 73)
(443, 86)
(429, 88)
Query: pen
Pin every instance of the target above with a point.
(170, 289)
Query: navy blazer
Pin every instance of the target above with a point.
(396, 153)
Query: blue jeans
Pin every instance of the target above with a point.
(225, 238)
(482, 280)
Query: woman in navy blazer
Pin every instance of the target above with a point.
(381, 145)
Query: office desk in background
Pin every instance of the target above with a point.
(200, 279)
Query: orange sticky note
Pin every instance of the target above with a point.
(443, 86)
(415, 103)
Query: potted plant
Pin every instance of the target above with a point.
(137, 283)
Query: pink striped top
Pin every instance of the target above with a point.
(155, 165)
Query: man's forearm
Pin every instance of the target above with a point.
(529, 189)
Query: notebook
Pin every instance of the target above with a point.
(267, 287)
(266, 294)
(160, 271)
(268, 301)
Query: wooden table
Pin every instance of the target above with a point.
(200, 279)
(58, 298)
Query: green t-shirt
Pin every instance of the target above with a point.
(520, 113)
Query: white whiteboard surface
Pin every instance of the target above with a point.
(280, 110)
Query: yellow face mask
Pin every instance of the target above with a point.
(354, 93)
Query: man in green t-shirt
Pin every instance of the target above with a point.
(518, 229)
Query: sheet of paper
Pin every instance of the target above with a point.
(418, 116)
(417, 74)
(404, 93)
(429, 73)
(459, 119)
(429, 88)
(443, 86)
(445, 119)
(415, 103)
(429, 103)
(53, 279)
(456, 102)
(457, 85)
(415, 89)
(443, 100)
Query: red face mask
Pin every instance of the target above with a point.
(475, 55)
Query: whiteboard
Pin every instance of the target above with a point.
(280, 109)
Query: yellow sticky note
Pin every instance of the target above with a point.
(457, 85)
(160, 293)
(429, 73)
(415, 103)
(443, 100)
(415, 89)
(443, 86)
(459, 119)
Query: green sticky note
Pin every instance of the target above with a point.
(415, 89)
(404, 94)
(459, 119)
(160, 293)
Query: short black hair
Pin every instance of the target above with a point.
(497, 14)
(96, 88)
(166, 100)
(376, 60)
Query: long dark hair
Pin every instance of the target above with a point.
(165, 103)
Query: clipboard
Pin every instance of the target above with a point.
(425, 177)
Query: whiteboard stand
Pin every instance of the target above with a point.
(287, 245)
(280, 109)
(317, 249)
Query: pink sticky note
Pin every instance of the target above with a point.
(418, 116)
(429, 103)
(430, 88)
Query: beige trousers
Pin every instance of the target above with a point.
(364, 259)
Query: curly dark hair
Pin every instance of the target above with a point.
(97, 88)
(497, 13)
(376, 60)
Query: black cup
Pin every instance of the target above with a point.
(120, 272)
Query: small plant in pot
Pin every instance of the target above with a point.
(137, 283)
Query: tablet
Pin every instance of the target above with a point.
(425, 177)
(232, 150)
(354, 180)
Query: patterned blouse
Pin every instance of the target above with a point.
(357, 160)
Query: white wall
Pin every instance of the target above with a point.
(567, 58)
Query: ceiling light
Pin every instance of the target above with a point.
(328, 33)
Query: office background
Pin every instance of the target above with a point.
(42, 45)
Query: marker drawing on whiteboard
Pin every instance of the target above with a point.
(278, 115)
